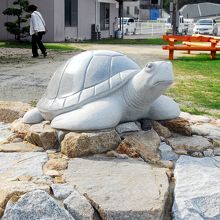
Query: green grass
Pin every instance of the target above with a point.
(153, 41)
(197, 84)
(52, 46)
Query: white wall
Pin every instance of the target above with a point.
(53, 12)
(89, 13)
(86, 17)
(131, 6)
(59, 20)
(71, 33)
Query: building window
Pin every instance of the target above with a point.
(104, 16)
(128, 10)
(154, 2)
(136, 10)
(71, 13)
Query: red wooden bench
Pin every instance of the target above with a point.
(191, 47)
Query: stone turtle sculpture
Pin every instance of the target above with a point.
(99, 89)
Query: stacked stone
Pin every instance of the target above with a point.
(128, 172)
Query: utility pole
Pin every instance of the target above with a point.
(173, 15)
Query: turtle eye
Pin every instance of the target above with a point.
(149, 67)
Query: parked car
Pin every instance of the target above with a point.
(129, 25)
(206, 26)
(168, 26)
(182, 26)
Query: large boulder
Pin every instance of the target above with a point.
(167, 153)
(20, 128)
(120, 189)
(206, 130)
(128, 127)
(13, 165)
(178, 125)
(79, 207)
(145, 143)
(190, 144)
(21, 173)
(161, 130)
(197, 191)
(195, 118)
(10, 111)
(43, 136)
(84, 144)
(35, 205)
(16, 188)
(19, 147)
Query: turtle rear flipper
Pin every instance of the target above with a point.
(33, 116)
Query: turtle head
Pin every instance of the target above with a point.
(158, 73)
(152, 81)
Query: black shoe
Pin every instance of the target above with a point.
(45, 54)
(35, 56)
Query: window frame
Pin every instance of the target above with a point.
(104, 13)
(71, 13)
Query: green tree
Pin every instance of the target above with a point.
(166, 5)
(18, 27)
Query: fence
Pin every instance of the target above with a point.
(150, 28)
(154, 28)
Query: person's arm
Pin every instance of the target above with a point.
(34, 23)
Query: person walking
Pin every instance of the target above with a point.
(115, 27)
(37, 30)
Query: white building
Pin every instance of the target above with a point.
(144, 9)
(69, 19)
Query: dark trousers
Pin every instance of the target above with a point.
(37, 41)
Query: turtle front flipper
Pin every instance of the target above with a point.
(163, 108)
(101, 114)
(32, 117)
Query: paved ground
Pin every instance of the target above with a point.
(25, 79)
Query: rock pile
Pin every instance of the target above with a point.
(122, 173)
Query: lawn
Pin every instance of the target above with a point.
(197, 84)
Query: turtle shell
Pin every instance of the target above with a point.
(86, 77)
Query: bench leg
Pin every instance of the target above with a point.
(171, 53)
(213, 53)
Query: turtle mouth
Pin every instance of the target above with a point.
(167, 82)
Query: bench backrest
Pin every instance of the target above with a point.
(190, 38)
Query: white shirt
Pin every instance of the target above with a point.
(37, 23)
